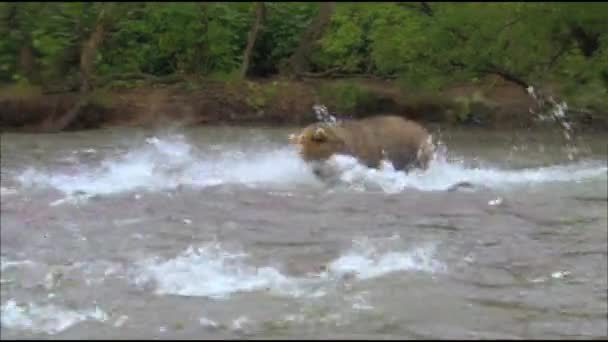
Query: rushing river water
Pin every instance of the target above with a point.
(225, 233)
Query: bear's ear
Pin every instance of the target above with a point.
(320, 135)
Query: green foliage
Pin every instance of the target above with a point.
(422, 45)
(167, 38)
(345, 44)
(528, 41)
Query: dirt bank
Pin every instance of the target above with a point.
(491, 104)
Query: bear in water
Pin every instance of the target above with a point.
(404, 143)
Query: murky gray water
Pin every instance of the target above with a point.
(224, 233)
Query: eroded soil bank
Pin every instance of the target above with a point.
(493, 104)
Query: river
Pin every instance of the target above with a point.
(223, 232)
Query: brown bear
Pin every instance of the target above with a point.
(404, 143)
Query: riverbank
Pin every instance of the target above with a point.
(492, 104)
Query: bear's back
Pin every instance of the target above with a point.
(387, 137)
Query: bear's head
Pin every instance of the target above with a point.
(318, 142)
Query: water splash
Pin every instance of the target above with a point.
(5, 263)
(142, 167)
(365, 261)
(443, 174)
(166, 163)
(208, 271)
(212, 271)
(7, 191)
(48, 319)
(322, 114)
(557, 113)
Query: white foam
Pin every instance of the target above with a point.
(208, 323)
(211, 271)
(121, 321)
(208, 271)
(360, 302)
(280, 166)
(48, 319)
(168, 162)
(143, 167)
(241, 323)
(7, 191)
(5, 263)
(442, 174)
(560, 274)
(364, 261)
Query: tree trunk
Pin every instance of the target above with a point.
(543, 100)
(492, 69)
(87, 55)
(298, 62)
(26, 58)
(26, 62)
(87, 72)
(201, 59)
(260, 13)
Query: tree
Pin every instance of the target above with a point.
(424, 44)
(89, 50)
(298, 62)
(260, 13)
(17, 22)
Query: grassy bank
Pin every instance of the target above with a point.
(493, 103)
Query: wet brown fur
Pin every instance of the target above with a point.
(403, 142)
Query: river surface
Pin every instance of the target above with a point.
(225, 233)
